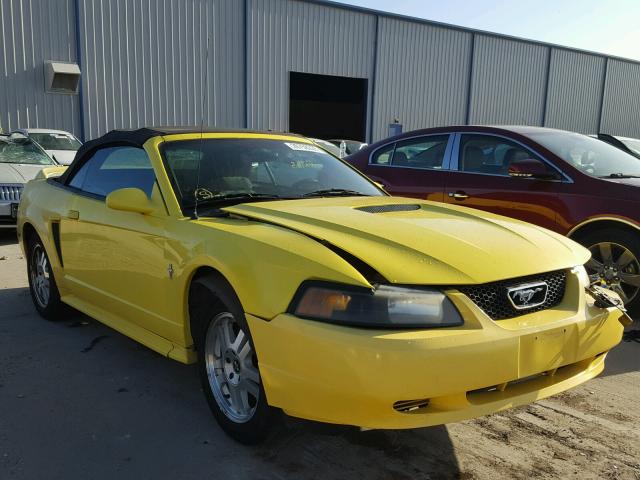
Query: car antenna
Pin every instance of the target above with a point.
(205, 98)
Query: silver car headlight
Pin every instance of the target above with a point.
(381, 307)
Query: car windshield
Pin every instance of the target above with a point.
(56, 141)
(632, 144)
(22, 151)
(590, 155)
(237, 170)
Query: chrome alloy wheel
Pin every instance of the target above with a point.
(232, 368)
(616, 267)
(40, 275)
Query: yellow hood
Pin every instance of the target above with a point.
(417, 242)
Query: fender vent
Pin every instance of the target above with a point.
(55, 233)
(408, 406)
(389, 208)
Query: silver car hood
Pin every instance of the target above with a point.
(63, 157)
(19, 172)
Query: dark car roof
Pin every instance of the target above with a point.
(521, 130)
(527, 129)
(138, 137)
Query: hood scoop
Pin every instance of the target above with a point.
(398, 207)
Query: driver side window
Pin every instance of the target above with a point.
(112, 168)
(490, 155)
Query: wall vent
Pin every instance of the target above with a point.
(61, 77)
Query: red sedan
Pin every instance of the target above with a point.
(567, 182)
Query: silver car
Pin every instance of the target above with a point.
(20, 161)
(59, 145)
(328, 146)
(348, 147)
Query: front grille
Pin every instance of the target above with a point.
(10, 193)
(493, 300)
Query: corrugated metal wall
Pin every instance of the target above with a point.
(508, 82)
(297, 36)
(575, 91)
(421, 76)
(144, 63)
(621, 103)
(32, 32)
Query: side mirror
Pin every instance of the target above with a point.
(531, 168)
(130, 200)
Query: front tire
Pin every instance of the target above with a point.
(227, 362)
(615, 262)
(42, 284)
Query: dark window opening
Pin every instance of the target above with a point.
(327, 107)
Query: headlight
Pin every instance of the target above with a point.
(381, 307)
(582, 275)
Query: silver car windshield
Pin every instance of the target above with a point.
(590, 155)
(56, 141)
(22, 152)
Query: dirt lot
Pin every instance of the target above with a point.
(79, 400)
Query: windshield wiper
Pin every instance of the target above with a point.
(232, 197)
(620, 175)
(213, 204)
(335, 192)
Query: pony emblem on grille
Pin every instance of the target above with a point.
(527, 296)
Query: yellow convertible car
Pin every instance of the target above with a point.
(298, 285)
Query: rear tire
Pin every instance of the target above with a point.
(42, 284)
(227, 363)
(616, 261)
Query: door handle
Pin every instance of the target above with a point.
(73, 214)
(459, 195)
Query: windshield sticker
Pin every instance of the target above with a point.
(303, 147)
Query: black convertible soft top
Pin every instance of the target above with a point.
(137, 138)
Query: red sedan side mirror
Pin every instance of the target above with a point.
(531, 168)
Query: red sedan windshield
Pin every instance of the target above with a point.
(592, 156)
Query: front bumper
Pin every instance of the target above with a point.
(353, 376)
(8, 214)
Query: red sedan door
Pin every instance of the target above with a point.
(480, 179)
(415, 167)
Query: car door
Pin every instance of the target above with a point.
(115, 260)
(479, 178)
(414, 167)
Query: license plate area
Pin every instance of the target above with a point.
(548, 350)
(14, 210)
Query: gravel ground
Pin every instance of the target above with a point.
(79, 400)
